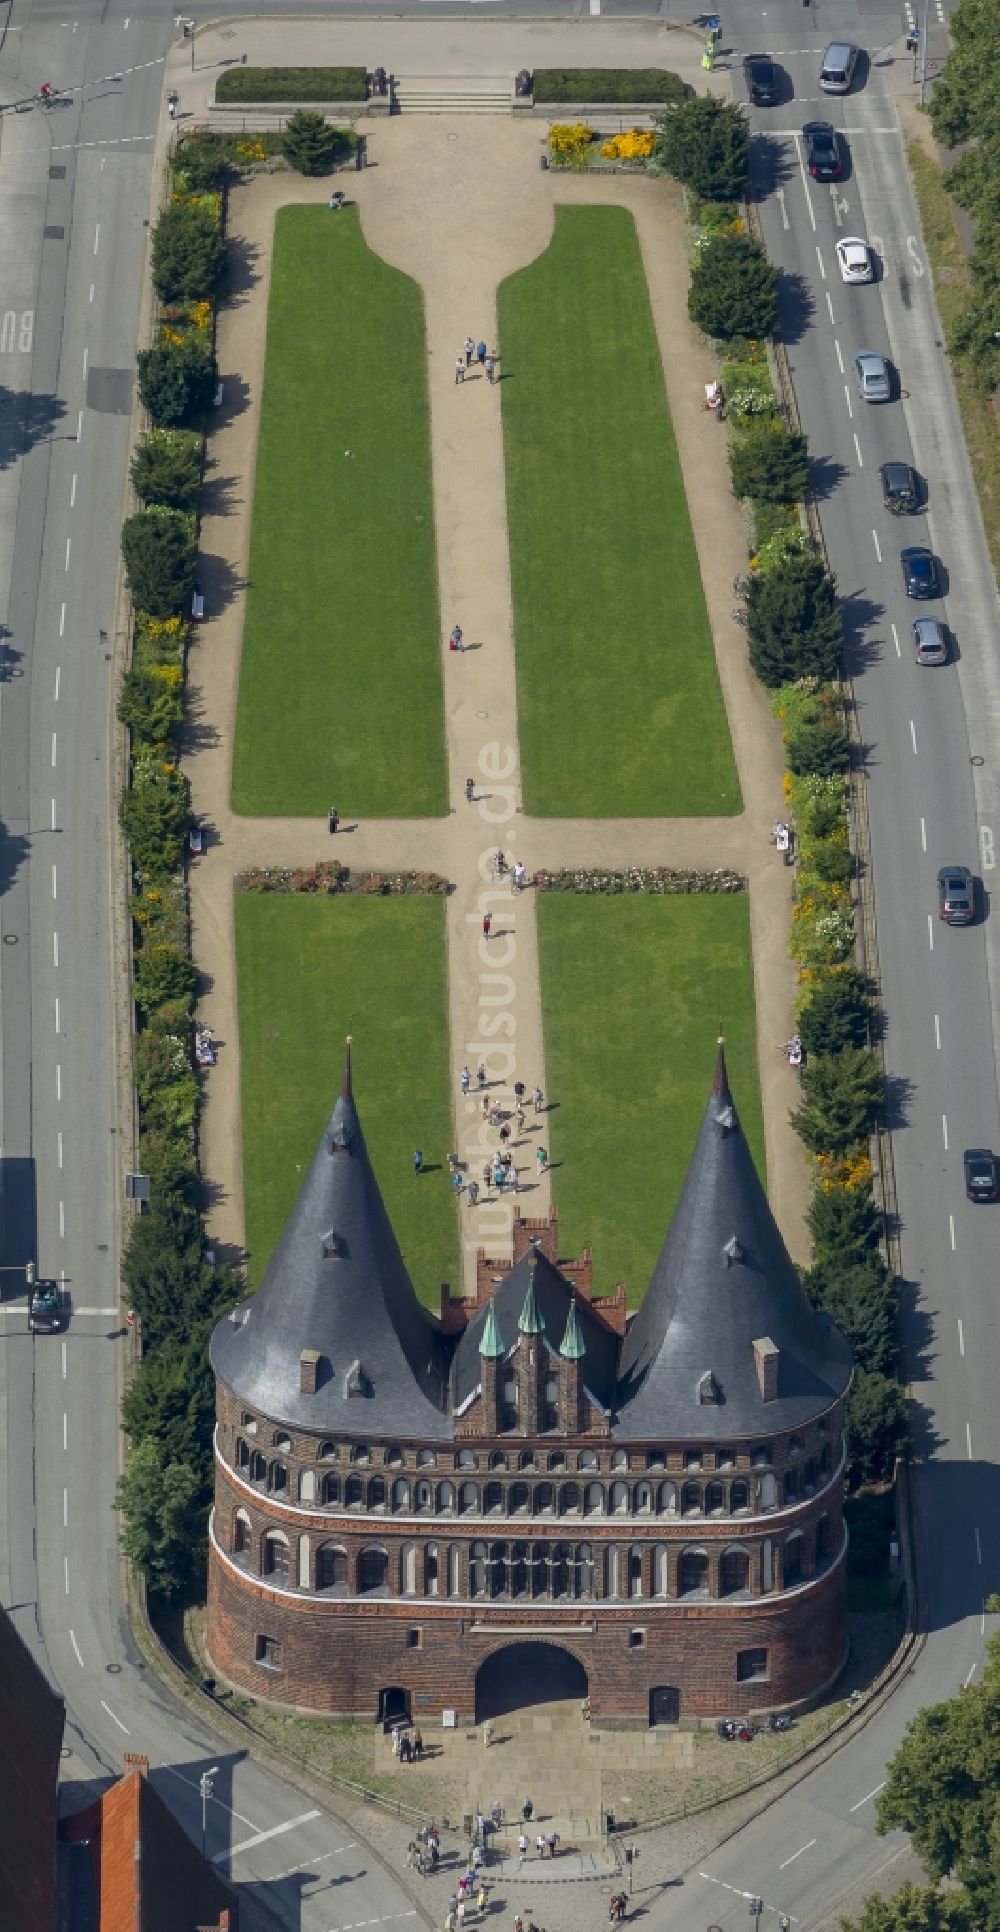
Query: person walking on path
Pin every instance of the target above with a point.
(527, 1808)
(499, 1177)
(470, 789)
(481, 354)
(333, 819)
(458, 1183)
(473, 1193)
(418, 1161)
(466, 1080)
(522, 1846)
(552, 1841)
(487, 1173)
(481, 1901)
(470, 350)
(487, 923)
(542, 1158)
(481, 1073)
(518, 876)
(520, 1120)
(486, 1106)
(491, 369)
(488, 1733)
(460, 370)
(536, 1099)
(540, 1845)
(455, 640)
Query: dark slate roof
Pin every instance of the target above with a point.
(552, 1298)
(702, 1312)
(337, 1284)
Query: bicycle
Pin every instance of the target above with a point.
(739, 617)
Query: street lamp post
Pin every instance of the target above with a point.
(205, 1787)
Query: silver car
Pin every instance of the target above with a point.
(930, 641)
(871, 373)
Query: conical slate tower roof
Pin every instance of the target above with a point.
(725, 1281)
(337, 1285)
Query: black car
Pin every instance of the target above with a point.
(45, 1309)
(762, 82)
(920, 571)
(822, 151)
(956, 895)
(900, 489)
(982, 1182)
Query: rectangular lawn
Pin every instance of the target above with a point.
(310, 971)
(340, 677)
(618, 695)
(634, 991)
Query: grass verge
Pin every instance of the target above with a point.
(619, 701)
(952, 282)
(633, 994)
(340, 679)
(310, 971)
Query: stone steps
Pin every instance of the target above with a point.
(454, 94)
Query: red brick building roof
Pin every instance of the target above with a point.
(147, 1874)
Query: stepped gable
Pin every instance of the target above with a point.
(535, 1291)
(725, 1344)
(337, 1288)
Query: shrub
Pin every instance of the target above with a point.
(189, 254)
(177, 381)
(163, 1518)
(166, 468)
(705, 144)
(822, 747)
(608, 84)
(202, 160)
(749, 390)
(151, 705)
(165, 1081)
(310, 145)
(793, 623)
(844, 1223)
(292, 84)
(164, 972)
(161, 560)
(831, 862)
(154, 815)
(769, 463)
(571, 142)
(843, 1096)
(876, 1427)
(838, 1013)
(734, 289)
(635, 145)
(863, 1300)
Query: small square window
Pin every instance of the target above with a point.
(751, 1666)
(655, 1459)
(268, 1652)
(692, 1458)
(636, 1639)
(248, 1421)
(725, 1459)
(414, 1638)
(761, 1458)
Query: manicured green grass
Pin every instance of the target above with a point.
(310, 971)
(634, 991)
(619, 702)
(340, 680)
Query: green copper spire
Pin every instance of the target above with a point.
(491, 1340)
(531, 1322)
(572, 1345)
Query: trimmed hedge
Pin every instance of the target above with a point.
(608, 84)
(293, 84)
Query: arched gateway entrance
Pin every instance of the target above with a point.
(527, 1673)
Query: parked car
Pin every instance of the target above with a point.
(822, 151)
(837, 71)
(956, 895)
(196, 839)
(930, 641)
(855, 259)
(871, 373)
(762, 79)
(920, 571)
(982, 1174)
(45, 1309)
(900, 489)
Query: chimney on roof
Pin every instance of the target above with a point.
(309, 1361)
(135, 1761)
(766, 1357)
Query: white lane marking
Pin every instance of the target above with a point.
(968, 1440)
(62, 1220)
(737, 1893)
(72, 492)
(114, 1719)
(878, 547)
(58, 675)
(192, 1785)
(77, 1312)
(62, 620)
(58, 1081)
(867, 1801)
(91, 291)
(260, 1837)
(979, 1546)
(785, 223)
(840, 358)
(895, 639)
(53, 882)
(53, 815)
(65, 1492)
(944, 1130)
(64, 1432)
(961, 1337)
(850, 406)
(969, 1675)
(923, 847)
(65, 1507)
(857, 448)
(798, 1854)
(79, 425)
(829, 304)
(805, 183)
(951, 1231)
(66, 1574)
(987, 848)
(822, 264)
(59, 1155)
(97, 238)
(69, 544)
(55, 949)
(57, 1015)
(930, 930)
(275, 1878)
(76, 1647)
(53, 750)
(86, 353)
(913, 737)
(392, 1917)
(937, 1022)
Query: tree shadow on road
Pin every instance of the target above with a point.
(25, 420)
(796, 305)
(13, 852)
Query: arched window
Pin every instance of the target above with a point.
(408, 1569)
(331, 1489)
(660, 1570)
(277, 1478)
(466, 1459)
(431, 1570)
(307, 1485)
(619, 1499)
(655, 1459)
(497, 1567)
(242, 1453)
(248, 1421)
(281, 1441)
(276, 1555)
(446, 1496)
(454, 1569)
(494, 1499)
(715, 1499)
(635, 1570)
(526, 1459)
(593, 1499)
(376, 1492)
(643, 1499)
(327, 1452)
(795, 1446)
(540, 1570)
(739, 1496)
(425, 1497)
(477, 1570)
(241, 1534)
(613, 1570)
(360, 1452)
(693, 1574)
(569, 1499)
(544, 1499)
(425, 1459)
(556, 1461)
(497, 1459)
(354, 1492)
(584, 1570)
(734, 1572)
(768, 1491)
(520, 1497)
(792, 1559)
(394, 1456)
(666, 1499)
(331, 1567)
(401, 1493)
(620, 1459)
(691, 1499)
(520, 1569)
(587, 1459)
(258, 1467)
(373, 1568)
(561, 1569)
(469, 1499)
(791, 1485)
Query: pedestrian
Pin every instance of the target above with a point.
(457, 1182)
(522, 1846)
(418, 1161)
(396, 1735)
(527, 1808)
(518, 1922)
(481, 354)
(460, 370)
(455, 640)
(481, 1073)
(477, 1857)
(540, 1845)
(536, 1099)
(480, 1825)
(487, 1173)
(460, 1914)
(499, 1177)
(504, 1134)
(487, 923)
(470, 350)
(496, 1813)
(488, 1732)
(333, 819)
(418, 1743)
(473, 1193)
(541, 1158)
(481, 1900)
(491, 369)
(405, 1750)
(453, 1902)
(552, 1841)
(411, 1855)
(486, 1106)
(172, 100)
(434, 1855)
(463, 1886)
(470, 789)
(519, 876)
(465, 1080)
(520, 1120)
(499, 865)
(420, 1863)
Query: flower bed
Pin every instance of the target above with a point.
(328, 876)
(639, 878)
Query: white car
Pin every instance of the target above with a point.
(855, 260)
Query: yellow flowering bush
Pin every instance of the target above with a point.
(570, 141)
(635, 145)
(249, 151)
(849, 1171)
